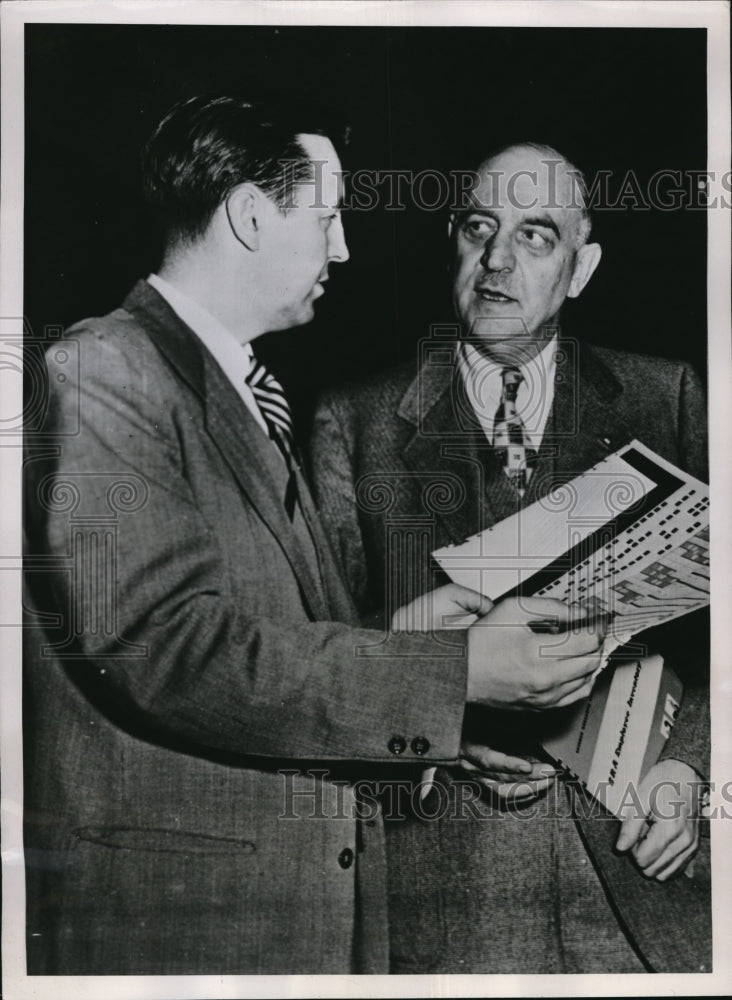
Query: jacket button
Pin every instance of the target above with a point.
(345, 858)
(420, 745)
(397, 745)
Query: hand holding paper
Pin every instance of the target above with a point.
(629, 538)
(511, 667)
(513, 661)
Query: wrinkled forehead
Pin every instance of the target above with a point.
(526, 179)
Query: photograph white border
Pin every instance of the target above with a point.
(714, 16)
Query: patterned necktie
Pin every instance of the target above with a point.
(272, 402)
(509, 436)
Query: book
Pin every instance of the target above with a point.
(610, 741)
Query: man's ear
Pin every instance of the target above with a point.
(451, 224)
(588, 257)
(243, 212)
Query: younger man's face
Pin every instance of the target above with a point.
(301, 242)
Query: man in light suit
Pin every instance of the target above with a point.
(200, 699)
(526, 889)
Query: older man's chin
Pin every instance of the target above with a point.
(506, 341)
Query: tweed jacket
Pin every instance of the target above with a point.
(401, 468)
(186, 644)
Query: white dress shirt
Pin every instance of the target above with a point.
(235, 359)
(484, 387)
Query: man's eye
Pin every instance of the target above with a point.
(326, 220)
(477, 228)
(536, 239)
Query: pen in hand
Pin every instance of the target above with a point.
(553, 626)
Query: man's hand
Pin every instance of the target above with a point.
(511, 667)
(665, 836)
(512, 780)
(447, 607)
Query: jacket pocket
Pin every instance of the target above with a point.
(162, 840)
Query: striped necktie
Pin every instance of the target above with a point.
(272, 402)
(509, 436)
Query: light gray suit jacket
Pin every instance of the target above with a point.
(186, 642)
(401, 467)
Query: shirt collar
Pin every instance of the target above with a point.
(235, 359)
(218, 339)
(484, 386)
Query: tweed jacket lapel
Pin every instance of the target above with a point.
(228, 422)
(586, 423)
(448, 439)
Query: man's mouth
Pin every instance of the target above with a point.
(493, 295)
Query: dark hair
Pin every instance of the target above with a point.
(206, 146)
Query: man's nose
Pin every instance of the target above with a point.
(498, 254)
(337, 249)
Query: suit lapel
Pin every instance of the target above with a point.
(340, 605)
(231, 426)
(448, 441)
(252, 459)
(586, 425)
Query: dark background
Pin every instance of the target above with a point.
(415, 98)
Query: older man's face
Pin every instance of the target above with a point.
(518, 251)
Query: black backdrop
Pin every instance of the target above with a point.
(415, 98)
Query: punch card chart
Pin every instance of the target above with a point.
(628, 538)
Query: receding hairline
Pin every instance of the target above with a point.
(553, 155)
